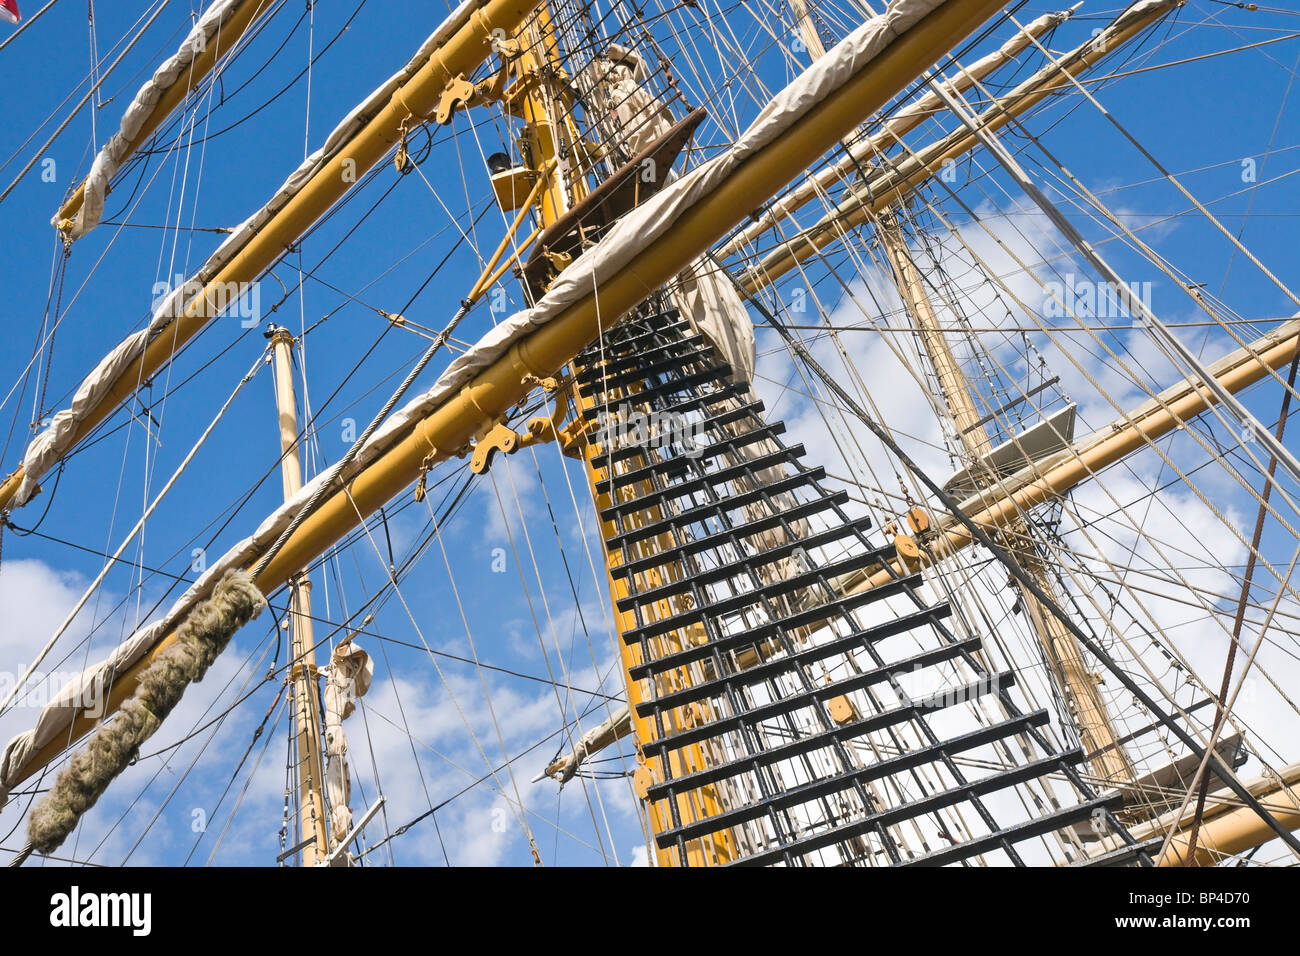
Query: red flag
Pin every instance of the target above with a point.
(9, 11)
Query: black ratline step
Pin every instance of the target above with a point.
(907, 811)
(791, 767)
(655, 392)
(824, 693)
(819, 652)
(632, 335)
(813, 741)
(749, 562)
(619, 371)
(718, 686)
(710, 423)
(803, 618)
(681, 463)
(699, 513)
(876, 771)
(738, 602)
(700, 483)
(1030, 829)
(757, 526)
(693, 403)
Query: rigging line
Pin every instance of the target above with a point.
(580, 619)
(396, 589)
(30, 20)
(336, 470)
(464, 790)
(362, 632)
(1198, 297)
(526, 811)
(55, 112)
(324, 219)
(603, 598)
(25, 376)
(1254, 192)
(283, 700)
(437, 527)
(1220, 714)
(1026, 580)
(1068, 230)
(285, 89)
(325, 484)
(160, 53)
(43, 369)
(546, 606)
(234, 510)
(1218, 726)
(94, 268)
(71, 116)
(131, 534)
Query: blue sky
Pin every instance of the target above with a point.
(1202, 120)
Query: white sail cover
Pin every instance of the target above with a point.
(120, 146)
(57, 438)
(637, 230)
(347, 676)
(866, 149)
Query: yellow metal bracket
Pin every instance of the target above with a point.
(544, 428)
(459, 92)
(500, 438)
(465, 93)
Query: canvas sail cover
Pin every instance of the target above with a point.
(123, 142)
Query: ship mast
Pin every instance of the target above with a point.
(303, 671)
(1110, 762)
(483, 403)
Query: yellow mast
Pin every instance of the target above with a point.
(538, 62)
(450, 427)
(1111, 762)
(303, 672)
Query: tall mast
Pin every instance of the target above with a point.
(538, 66)
(1109, 760)
(303, 672)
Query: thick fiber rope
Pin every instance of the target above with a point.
(200, 640)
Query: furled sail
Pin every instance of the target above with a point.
(218, 29)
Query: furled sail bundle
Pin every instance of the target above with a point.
(254, 245)
(217, 30)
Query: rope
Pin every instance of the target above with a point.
(108, 565)
(324, 486)
(200, 640)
